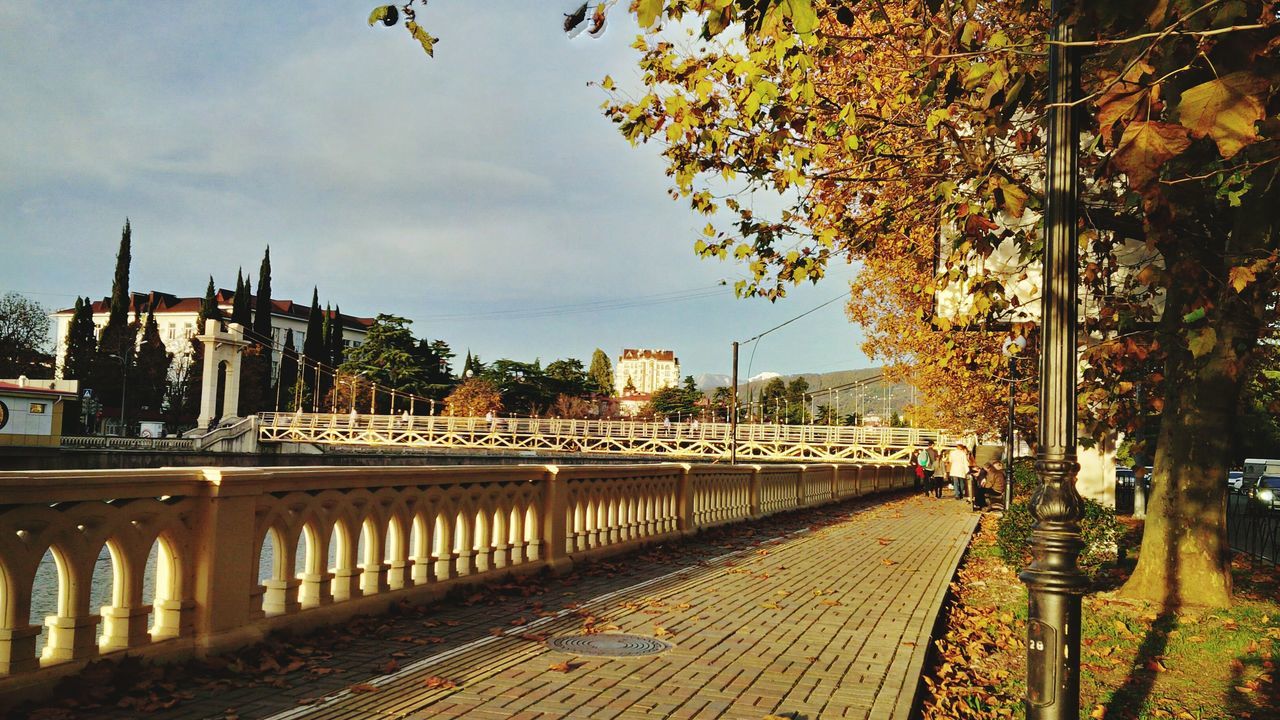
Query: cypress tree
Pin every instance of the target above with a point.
(255, 362)
(153, 365)
(209, 309)
(288, 375)
(336, 353)
(262, 303)
(108, 373)
(262, 327)
(313, 349)
(118, 318)
(82, 345)
(242, 308)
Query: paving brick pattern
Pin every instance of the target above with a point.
(832, 623)
(822, 613)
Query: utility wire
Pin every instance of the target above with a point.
(806, 312)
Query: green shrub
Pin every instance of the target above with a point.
(1098, 528)
(1024, 477)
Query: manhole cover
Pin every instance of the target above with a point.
(609, 645)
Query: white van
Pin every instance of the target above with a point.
(1255, 468)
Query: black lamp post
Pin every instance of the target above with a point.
(1054, 582)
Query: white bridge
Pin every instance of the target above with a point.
(701, 441)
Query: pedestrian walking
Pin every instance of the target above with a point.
(958, 464)
(927, 462)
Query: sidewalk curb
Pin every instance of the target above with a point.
(908, 705)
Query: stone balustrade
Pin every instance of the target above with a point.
(233, 553)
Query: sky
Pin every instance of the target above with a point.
(481, 194)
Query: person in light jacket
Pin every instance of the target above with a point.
(958, 463)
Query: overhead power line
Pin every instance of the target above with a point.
(586, 307)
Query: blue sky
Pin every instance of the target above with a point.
(465, 192)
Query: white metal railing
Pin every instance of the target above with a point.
(823, 443)
(235, 553)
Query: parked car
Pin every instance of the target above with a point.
(1235, 480)
(1267, 492)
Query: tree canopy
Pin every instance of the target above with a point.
(24, 336)
(884, 127)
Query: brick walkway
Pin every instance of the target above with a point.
(790, 617)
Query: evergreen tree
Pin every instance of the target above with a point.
(81, 343)
(262, 332)
(209, 309)
(114, 350)
(601, 373)
(262, 304)
(334, 337)
(113, 333)
(287, 376)
(325, 379)
(242, 305)
(313, 347)
(467, 370)
(152, 370)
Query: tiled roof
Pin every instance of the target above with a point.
(168, 303)
(633, 354)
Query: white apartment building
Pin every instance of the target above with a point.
(177, 316)
(644, 372)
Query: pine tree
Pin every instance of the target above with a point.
(82, 345)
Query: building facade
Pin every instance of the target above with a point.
(177, 318)
(644, 372)
(31, 411)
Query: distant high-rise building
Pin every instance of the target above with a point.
(644, 372)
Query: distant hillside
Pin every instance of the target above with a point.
(850, 389)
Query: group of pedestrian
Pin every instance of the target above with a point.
(982, 485)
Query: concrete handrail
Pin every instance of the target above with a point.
(243, 551)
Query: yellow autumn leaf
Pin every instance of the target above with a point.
(1201, 341)
(1240, 277)
(1225, 109)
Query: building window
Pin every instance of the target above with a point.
(37, 409)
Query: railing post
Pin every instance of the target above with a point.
(226, 590)
(684, 502)
(757, 505)
(555, 506)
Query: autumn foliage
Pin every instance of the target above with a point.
(906, 136)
